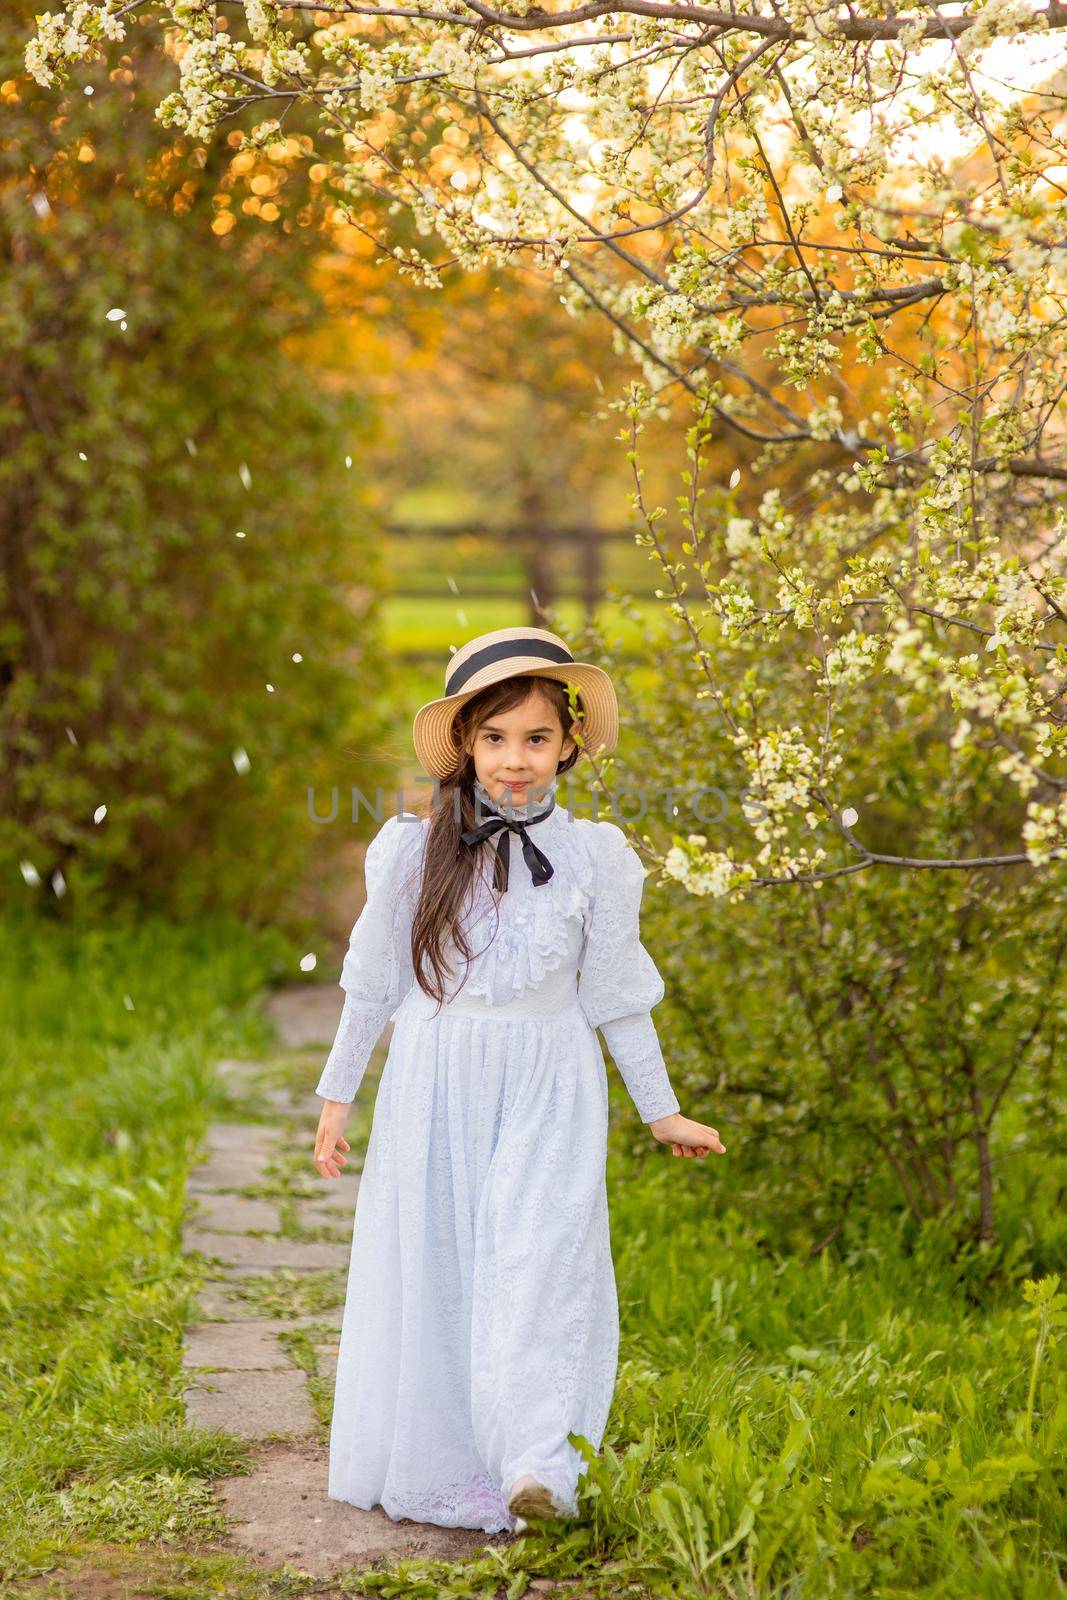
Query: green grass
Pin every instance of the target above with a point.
(881, 1423)
(432, 626)
(105, 1068)
(851, 1427)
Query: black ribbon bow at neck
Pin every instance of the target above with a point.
(541, 869)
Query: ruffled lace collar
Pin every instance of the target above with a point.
(527, 932)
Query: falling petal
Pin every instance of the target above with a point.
(297, 656)
(116, 314)
(190, 445)
(452, 584)
(100, 813)
(30, 873)
(735, 477)
(348, 461)
(307, 963)
(82, 456)
(39, 202)
(59, 884)
(89, 90)
(462, 619)
(849, 816)
(127, 1002)
(270, 688)
(240, 759)
(72, 736)
(244, 475)
(239, 534)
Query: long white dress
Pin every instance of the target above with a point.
(481, 1319)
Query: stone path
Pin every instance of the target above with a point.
(273, 1240)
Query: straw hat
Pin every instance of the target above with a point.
(505, 653)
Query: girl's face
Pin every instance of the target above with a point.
(516, 752)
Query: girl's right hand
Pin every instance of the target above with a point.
(329, 1140)
(686, 1137)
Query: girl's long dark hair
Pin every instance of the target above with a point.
(450, 866)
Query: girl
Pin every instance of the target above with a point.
(481, 1320)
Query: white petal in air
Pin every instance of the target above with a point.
(116, 314)
(59, 884)
(244, 475)
(127, 1002)
(307, 963)
(240, 759)
(297, 656)
(30, 873)
(735, 477)
(849, 816)
(100, 813)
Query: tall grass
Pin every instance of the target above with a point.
(886, 1419)
(886, 1422)
(105, 1068)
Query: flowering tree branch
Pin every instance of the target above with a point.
(842, 234)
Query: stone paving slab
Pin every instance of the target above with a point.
(227, 1169)
(239, 1375)
(247, 1346)
(234, 1213)
(297, 1104)
(334, 1194)
(340, 1222)
(282, 1512)
(245, 1250)
(242, 1136)
(217, 1301)
(253, 1405)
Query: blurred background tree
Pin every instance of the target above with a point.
(186, 562)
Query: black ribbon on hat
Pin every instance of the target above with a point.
(541, 868)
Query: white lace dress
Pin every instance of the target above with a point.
(481, 1320)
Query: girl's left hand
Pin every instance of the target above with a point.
(686, 1137)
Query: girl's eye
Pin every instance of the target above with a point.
(540, 737)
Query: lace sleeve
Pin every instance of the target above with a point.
(377, 971)
(619, 982)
